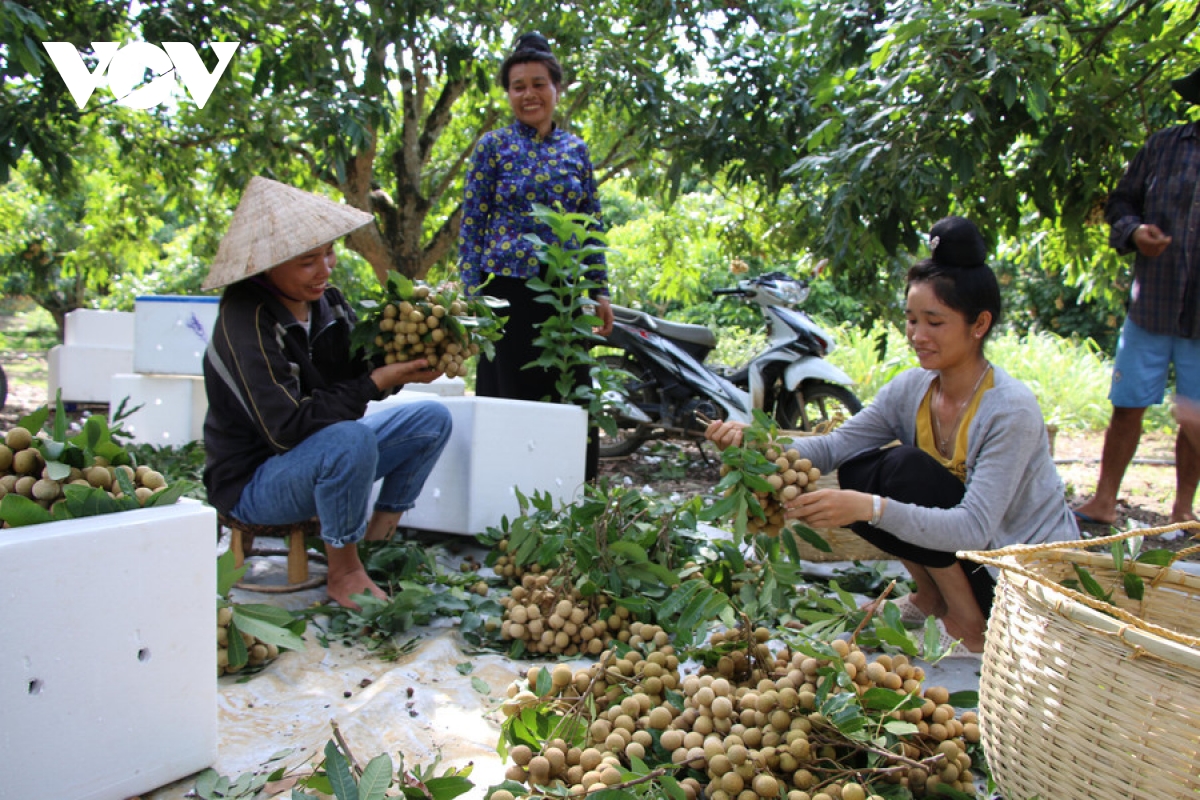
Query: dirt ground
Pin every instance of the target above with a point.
(1147, 493)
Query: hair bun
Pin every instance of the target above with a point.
(533, 41)
(956, 242)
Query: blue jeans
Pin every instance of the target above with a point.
(331, 473)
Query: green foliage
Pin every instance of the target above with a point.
(420, 591)
(341, 777)
(566, 337)
(1125, 554)
(62, 454)
(616, 542)
(211, 785)
(270, 624)
(869, 123)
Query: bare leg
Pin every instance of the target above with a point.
(928, 597)
(1120, 443)
(347, 576)
(1187, 473)
(963, 617)
(382, 526)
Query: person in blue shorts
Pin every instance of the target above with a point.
(1155, 214)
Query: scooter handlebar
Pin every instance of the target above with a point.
(732, 290)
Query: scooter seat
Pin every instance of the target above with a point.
(679, 331)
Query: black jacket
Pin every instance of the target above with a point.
(270, 385)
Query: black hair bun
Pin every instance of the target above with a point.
(956, 242)
(533, 41)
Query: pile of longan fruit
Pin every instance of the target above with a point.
(415, 326)
(259, 652)
(23, 471)
(793, 475)
(763, 737)
(555, 618)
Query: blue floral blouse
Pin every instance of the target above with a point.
(511, 169)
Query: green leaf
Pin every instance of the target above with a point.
(338, 770)
(1135, 589)
(1090, 584)
(269, 623)
(1157, 558)
(18, 510)
(448, 787)
(239, 656)
(57, 470)
(227, 574)
(812, 537)
(964, 699)
(376, 778)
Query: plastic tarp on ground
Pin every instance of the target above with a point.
(435, 700)
(419, 707)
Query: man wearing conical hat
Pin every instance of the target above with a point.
(285, 436)
(1154, 213)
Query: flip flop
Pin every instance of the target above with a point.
(1088, 519)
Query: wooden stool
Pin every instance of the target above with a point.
(242, 543)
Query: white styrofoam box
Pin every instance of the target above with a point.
(172, 407)
(96, 328)
(496, 446)
(446, 387)
(108, 672)
(84, 372)
(171, 332)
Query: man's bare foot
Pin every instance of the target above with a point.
(1094, 512)
(341, 587)
(347, 576)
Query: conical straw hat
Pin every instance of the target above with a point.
(273, 223)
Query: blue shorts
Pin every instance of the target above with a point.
(1139, 377)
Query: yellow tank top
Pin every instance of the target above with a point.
(926, 440)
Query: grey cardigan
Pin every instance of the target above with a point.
(1014, 493)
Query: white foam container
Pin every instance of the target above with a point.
(171, 333)
(443, 386)
(84, 372)
(497, 446)
(108, 684)
(172, 407)
(96, 328)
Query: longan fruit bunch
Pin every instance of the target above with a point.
(793, 474)
(623, 689)
(769, 738)
(761, 737)
(556, 618)
(23, 471)
(506, 565)
(417, 321)
(259, 652)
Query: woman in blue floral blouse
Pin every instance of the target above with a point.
(530, 161)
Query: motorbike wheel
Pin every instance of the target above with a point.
(813, 403)
(629, 436)
(3, 388)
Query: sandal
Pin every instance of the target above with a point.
(951, 647)
(910, 615)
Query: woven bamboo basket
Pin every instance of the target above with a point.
(1082, 699)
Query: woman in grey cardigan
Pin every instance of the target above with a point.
(972, 470)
